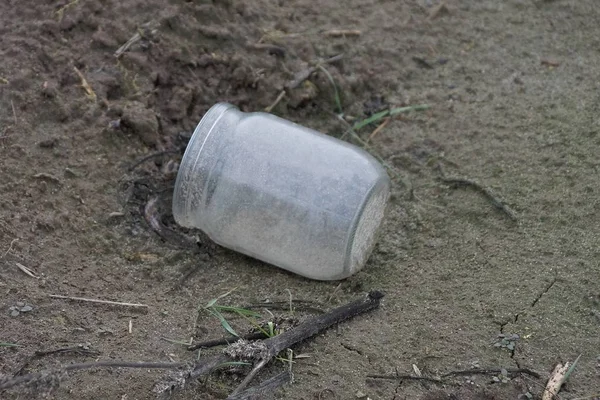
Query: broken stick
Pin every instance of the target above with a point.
(555, 382)
(219, 342)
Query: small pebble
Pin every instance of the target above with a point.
(20, 304)
(115, 124)
(26, 309)
(14, 313)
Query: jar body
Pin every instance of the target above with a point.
(281, 193)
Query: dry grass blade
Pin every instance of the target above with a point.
(85, 85)
(379, 128)
(26, 270)
(114, 303)
(12, 242)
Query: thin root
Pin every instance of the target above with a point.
(496, 202)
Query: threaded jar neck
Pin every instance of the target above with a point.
(191, 177)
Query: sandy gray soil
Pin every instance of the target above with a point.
(515, 102)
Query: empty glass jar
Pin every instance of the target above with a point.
(281, 193)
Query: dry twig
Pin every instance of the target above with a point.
(80, 349)
(441, 379)
(488, 371)
(400, 377)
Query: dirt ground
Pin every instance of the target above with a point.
(514, 90)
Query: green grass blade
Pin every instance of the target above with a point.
(256, 326)
(213, 301)
(237, 310)
(382, 114)
(4, 344)
(338, 103)
(223, 321)
(400, 110)
(571, 369)
(371, 119)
